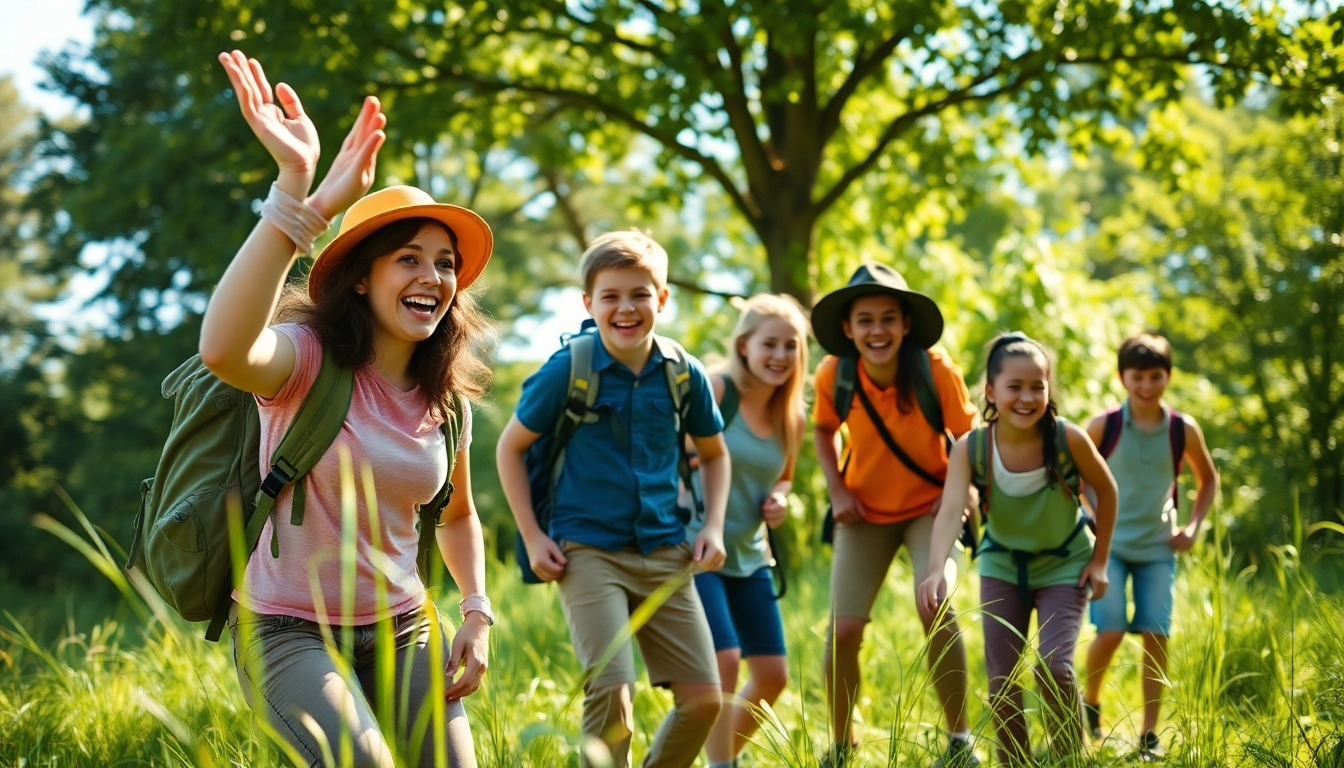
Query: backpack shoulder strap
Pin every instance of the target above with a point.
(312, 432)
(1110, 433)
(1176, 436)
(977, 452)
(431, 514)
(677, 366)
(846, 380)
(1068, 470)
(731, 402)
(926, 394)
(579, 399)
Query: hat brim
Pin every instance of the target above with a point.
(474, 241)
(926, 320)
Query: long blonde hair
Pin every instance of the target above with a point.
(788, 410)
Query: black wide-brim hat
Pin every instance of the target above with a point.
(871, 279)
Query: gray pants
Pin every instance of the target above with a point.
(1059, 616)
(335, 700)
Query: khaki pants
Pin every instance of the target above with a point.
(862, 556)
(599, 591)
(326, 715)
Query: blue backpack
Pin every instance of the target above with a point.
(545, 458)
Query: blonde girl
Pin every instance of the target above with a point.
(760, 392)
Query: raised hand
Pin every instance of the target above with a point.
(282, 127)
(351, 173)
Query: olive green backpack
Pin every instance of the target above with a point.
(210, 463)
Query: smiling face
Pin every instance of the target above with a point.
(410, 288)
(877, 325)
(771, 352)
(1020, 391)
(1145, 386)
(625, 302)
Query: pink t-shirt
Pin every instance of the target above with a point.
(394, 433)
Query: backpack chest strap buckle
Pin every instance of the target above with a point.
(280, 475)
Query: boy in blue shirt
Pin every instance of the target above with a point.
(1145, 442)
(615, 533)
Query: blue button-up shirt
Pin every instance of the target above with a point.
(618, 486)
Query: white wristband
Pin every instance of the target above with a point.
(297, 220)
(479, 604)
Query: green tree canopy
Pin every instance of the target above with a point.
(783, 106)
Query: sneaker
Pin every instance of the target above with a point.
(959, 755)
(1093, 712)
(1150, 748)
(838, 756)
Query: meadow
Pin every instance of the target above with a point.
(1257, 678)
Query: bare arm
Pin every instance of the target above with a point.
(236, 344)
(715, 474)
(1095, 427)
(1096, 474)
(547, 561)
(463, 551)
(1206, 479)
(947, 525)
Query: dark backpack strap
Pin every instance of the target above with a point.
(312, 432)
(1176, 436)
(926, 395)
(430, 515)
(1110, 433)
(846, 382)
(731, 401)
(901, 455)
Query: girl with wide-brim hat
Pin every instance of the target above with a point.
(385, 300)
(883, 331)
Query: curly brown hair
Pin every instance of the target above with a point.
(452, 361)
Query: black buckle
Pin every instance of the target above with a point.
(276, 481)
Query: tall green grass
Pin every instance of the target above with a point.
(1257, 679)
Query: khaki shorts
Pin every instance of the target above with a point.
(599, 592)
(862, 556)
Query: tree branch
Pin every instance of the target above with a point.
(563, 200)
(864, 67)
(620, 113)
(692, 286)
(902, 123)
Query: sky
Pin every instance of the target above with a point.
(32, 27)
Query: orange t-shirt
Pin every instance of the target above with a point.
(887, 489)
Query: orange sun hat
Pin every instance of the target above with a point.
(369, 213)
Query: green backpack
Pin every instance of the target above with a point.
(209, 463)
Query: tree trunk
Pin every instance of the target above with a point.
(788, 251)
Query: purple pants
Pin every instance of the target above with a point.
(1059, 612)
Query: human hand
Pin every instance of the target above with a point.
(1183, 539)
(775, 509)
(351, 173)
(708, 552)
(845, 507)
(283, 128)
(546, 558)
(471, 645)
(1095, 573)
(931, 592)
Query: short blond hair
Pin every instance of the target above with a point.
(621, 249)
